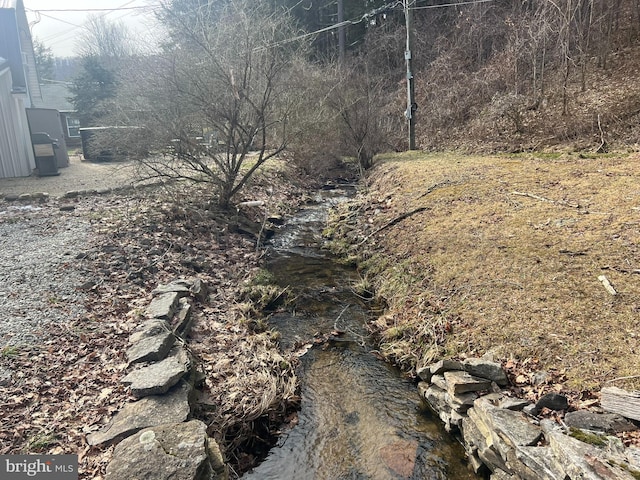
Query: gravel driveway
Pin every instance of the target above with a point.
(40, 247)
(79, 175)
(37, 276)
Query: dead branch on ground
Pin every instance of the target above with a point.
(402, 217)
(393, 222)
(543, 199)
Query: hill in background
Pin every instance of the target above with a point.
(516, 76)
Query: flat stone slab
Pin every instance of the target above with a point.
(538, 460)
(442, 366)
(180, 287)
(163, 306)
(184, 287)
(439, 381)
(183, 319)
(501, 475)
(632, 455)
(500, 399)
(5, 376)
(180, 451)
(513, 403)
(493, 371)
(622, 402)
(461, 402)
(424, 373)
(173, 407)
(601, 422)
(512, 427)
(151, 349)
(579, 459)
(462, 382)
(159, 377)
(436, 397)
(422, 388)
(150, 328)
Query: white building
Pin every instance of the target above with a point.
(19, 89)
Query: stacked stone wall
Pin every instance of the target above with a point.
(506, 438)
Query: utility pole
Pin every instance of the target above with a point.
(342, 36)
(410, 113)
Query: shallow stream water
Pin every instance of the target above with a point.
(359, 418)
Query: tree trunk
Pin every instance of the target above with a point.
(224, 195)
(565, 87)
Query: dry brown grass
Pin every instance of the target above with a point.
(246, 379)
(506, 258)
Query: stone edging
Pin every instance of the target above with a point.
(155, 435)
(44, 196)
(504, 436)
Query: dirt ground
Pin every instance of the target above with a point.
(79, 175)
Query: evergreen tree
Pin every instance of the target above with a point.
(94, 86)
(44, 61)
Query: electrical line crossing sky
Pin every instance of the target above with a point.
(59, 23)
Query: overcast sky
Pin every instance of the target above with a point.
(59, 30)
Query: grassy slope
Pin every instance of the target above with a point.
(485, 269)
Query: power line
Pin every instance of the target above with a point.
(89, 9)
(60, 20)
(385, 8)
(451, 4)
(61, 36)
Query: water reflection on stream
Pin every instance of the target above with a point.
(359, 418)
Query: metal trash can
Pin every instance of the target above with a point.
(44, 150)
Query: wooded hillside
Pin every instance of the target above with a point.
(527, 74)
(505, 74)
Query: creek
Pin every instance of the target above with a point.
(359, 418)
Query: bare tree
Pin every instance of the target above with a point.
(574, 20)
(106, 49)
(359, 103)
(538, 33)
(105, 39)
(219, 103)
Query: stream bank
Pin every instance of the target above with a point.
(467, 273)
(359, 417)
(506, 437)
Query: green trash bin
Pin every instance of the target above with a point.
(44, 150)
